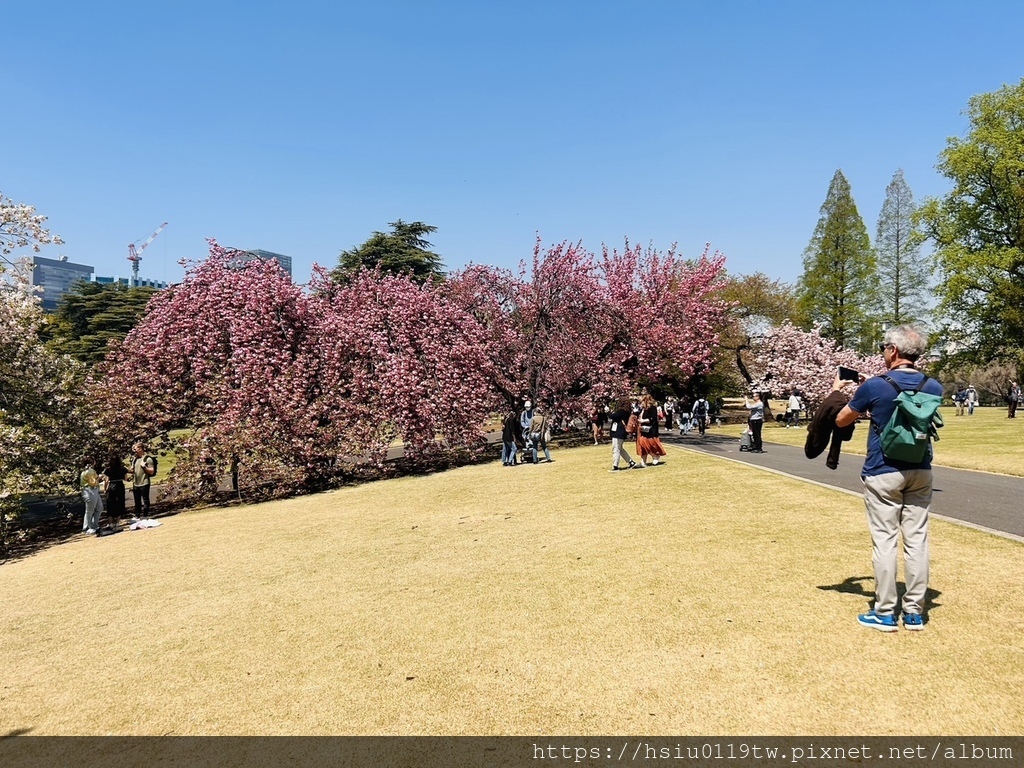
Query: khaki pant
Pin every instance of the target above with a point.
(619, 452)
(897, 503)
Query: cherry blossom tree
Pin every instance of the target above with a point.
(571, 327)
(299, 387)
(403, 361)
(21, 227)
(303, 386)
(786, 357)
(667, 314)
(42, 433)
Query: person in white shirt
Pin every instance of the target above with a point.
(794, 410)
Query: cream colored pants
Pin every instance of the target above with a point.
(897, 505)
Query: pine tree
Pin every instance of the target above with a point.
(836, 291)
(402, 251)
(903, 274)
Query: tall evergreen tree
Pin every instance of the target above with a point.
(90, 315)
(903, 273)
(403, 250)
(836, 291)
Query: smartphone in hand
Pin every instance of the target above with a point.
(848, 374)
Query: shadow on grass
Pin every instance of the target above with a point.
(54, 523)
(17, 732)
(25, 540)
(854, 585)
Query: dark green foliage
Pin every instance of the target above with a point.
(90, 315)
(978, 230)
(837, 289)
(403, 250)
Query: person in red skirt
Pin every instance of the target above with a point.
(647, 442)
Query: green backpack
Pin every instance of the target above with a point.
(913, 425)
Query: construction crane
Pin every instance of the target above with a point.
(135, 254)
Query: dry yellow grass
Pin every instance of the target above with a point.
(694, 598)
(987, 441)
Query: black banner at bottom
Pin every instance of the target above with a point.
(509, 751)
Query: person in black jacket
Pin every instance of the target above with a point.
(116, 474)
(617, 430)
(508, 439)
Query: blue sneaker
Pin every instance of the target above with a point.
(913, 621)
(878, 621)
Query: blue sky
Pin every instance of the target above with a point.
(302, 127)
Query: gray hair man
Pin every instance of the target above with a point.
(897, 494)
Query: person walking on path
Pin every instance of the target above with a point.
(90, 481)
(755, 420)
(897, 494)
(700, 413)
(617, 431)
(647, 441)
(143, 470)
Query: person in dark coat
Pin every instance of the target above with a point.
(617, 430)
(508, 439)
(116, 473)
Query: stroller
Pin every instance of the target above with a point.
(746, 440)
(685, 423)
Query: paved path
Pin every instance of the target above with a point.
(988, 501)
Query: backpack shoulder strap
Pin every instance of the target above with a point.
(895, 386)
(899, 389)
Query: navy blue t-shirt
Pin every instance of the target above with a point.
(879, 397)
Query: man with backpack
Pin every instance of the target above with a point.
(143, 469)
(897, 473)
(700, 413)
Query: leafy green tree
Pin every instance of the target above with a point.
(903, 273)
(978, 229)
(91, 314)
(43, 432)
(402, 251)
(836, 291)
(758, 303)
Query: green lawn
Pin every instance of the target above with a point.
(987, 441)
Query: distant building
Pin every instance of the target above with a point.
(241, 258)
(142, 282)
(55, 277)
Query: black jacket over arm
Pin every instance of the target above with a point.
(823, 429)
